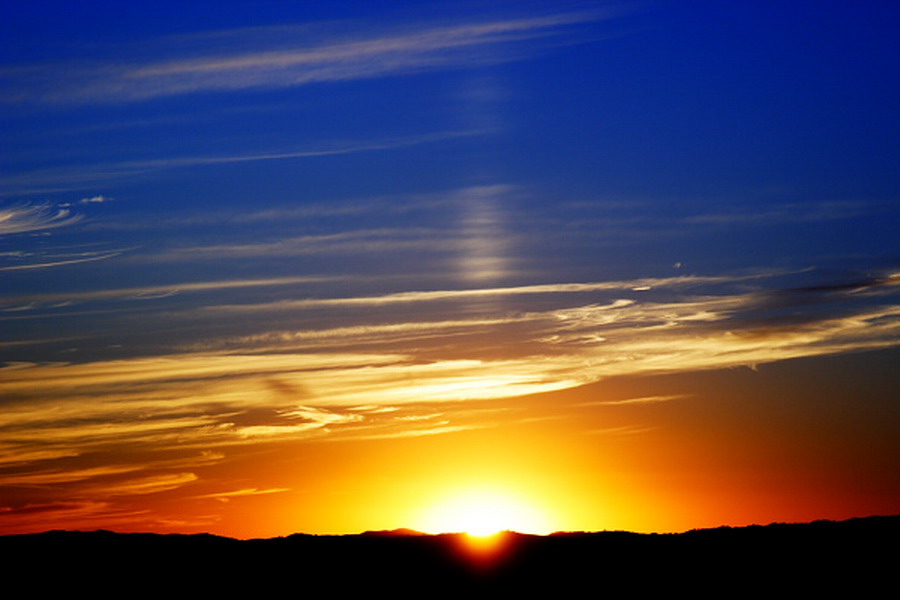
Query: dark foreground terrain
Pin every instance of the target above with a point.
(858, 556)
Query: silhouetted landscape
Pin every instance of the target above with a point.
(857, 554)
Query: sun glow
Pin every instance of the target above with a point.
(483, 513)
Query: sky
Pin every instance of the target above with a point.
(327, 267)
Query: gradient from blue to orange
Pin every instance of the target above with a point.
(271, 267)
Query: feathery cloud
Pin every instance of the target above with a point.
(288, 384)
(34, 217)
(268, 58)
(60, 179)
(152, 292)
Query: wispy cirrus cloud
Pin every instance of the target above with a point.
(342, 242)
(201, 400)
(60, 179)
(151, 484)
(310, 381)
(154, 291)
(85, 491)
(473, 293)
(34, 217)
(41, 217)
(43, 261)
(277, 57)
(786, 213)
(226, 496)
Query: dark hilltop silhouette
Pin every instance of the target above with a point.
(857, 556)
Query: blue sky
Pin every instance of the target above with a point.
(489, 199)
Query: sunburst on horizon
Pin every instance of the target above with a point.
(482, 513)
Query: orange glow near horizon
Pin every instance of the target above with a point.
(482, 513)
(642, 455)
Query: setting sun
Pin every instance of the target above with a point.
(482, 513)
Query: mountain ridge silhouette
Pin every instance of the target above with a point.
(854, 555)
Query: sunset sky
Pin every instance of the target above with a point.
(326, 267)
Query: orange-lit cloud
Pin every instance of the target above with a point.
(289, 384)
(225, 496)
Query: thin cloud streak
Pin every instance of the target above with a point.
(356, 334)
(60, 263)
(153, 484)
(158, 291)
(435, 295)
(640, 400)
(785, 213)
(219, 68)
(69, 178)
(68, 476)
(226, 496)
(345, 242)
